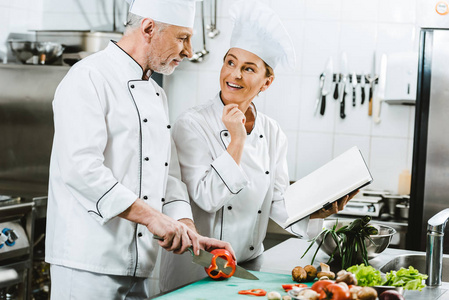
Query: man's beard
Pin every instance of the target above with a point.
(165, 69)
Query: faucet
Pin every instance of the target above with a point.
(434, 247)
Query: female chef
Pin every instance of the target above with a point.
(232, 157)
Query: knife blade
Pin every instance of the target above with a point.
(328, 78)
(380, 93)
(204, 259)
(320, 92)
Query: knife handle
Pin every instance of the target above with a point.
(342, 106)
(323, 105)
(336, 91)
(363, 95)
(353, 96)
(370, 103)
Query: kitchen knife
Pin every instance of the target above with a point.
(344, 71)
(354, 86)
(371, 79)
(380, 92)
(320, 92)
(362, 88)
(328, 78)
(204, 259)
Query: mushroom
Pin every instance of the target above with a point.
(274, 296)
(299, 274)
(367, 293)
(286, 297)
(347, 277)
(311, 272)
(308, 294)
(325, 271)
(353, 291)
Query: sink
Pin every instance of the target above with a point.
(417, 261)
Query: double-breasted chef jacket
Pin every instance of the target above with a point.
(112, 144)
(232, 202)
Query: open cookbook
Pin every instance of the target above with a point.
(339, 177)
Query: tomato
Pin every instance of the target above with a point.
(335, 292)
(288, 287)
(214, 271)
(320, 284)
(254, 292)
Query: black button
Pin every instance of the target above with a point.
(229, 207)
(168, 126)
(259, 212)
(261, 136)
(251, 248)
(225, 134)
(139, 234)
(166, 164)
(145, 197)
(157, 94)
(163, 199)
(147, 159)
(267, 172)
(145, 120)
(132, 86)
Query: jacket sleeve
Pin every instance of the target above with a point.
(80, 140)
(177, 204)
(211, 181)
(305, 227)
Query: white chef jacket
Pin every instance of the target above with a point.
(111, 145)
(231, 202)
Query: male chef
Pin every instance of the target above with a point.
(114, 174)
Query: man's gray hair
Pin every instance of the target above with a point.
(134, 22)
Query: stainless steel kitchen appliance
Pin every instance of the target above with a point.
(16, 247)
(430, 170)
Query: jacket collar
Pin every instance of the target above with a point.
(128, 67)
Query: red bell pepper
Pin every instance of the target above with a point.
(288, 287)
(213, 271)
(254, 292)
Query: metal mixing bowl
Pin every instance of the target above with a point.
(36, 52)
(378, 244)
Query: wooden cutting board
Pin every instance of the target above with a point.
(208, 288)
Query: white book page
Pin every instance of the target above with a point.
(325, 185)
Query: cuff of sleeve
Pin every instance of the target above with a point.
(230, 173)
(314, 228)
(114, 202)
(178, 209)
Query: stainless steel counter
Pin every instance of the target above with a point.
(286, 255)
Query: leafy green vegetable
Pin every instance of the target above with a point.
(409, 278)
(366, 275)
(350, 241)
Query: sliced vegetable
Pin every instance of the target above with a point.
(214, 271)
(366, 275)
(254, 292)
(409, 278)
(288, 287)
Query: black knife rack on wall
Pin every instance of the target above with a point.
(338, 77)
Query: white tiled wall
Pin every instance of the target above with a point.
(321, 29)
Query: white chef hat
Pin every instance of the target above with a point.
(174, 12)
(259, 30)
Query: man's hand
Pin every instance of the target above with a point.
(177, 236)
(210, 244)
(337, 206)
